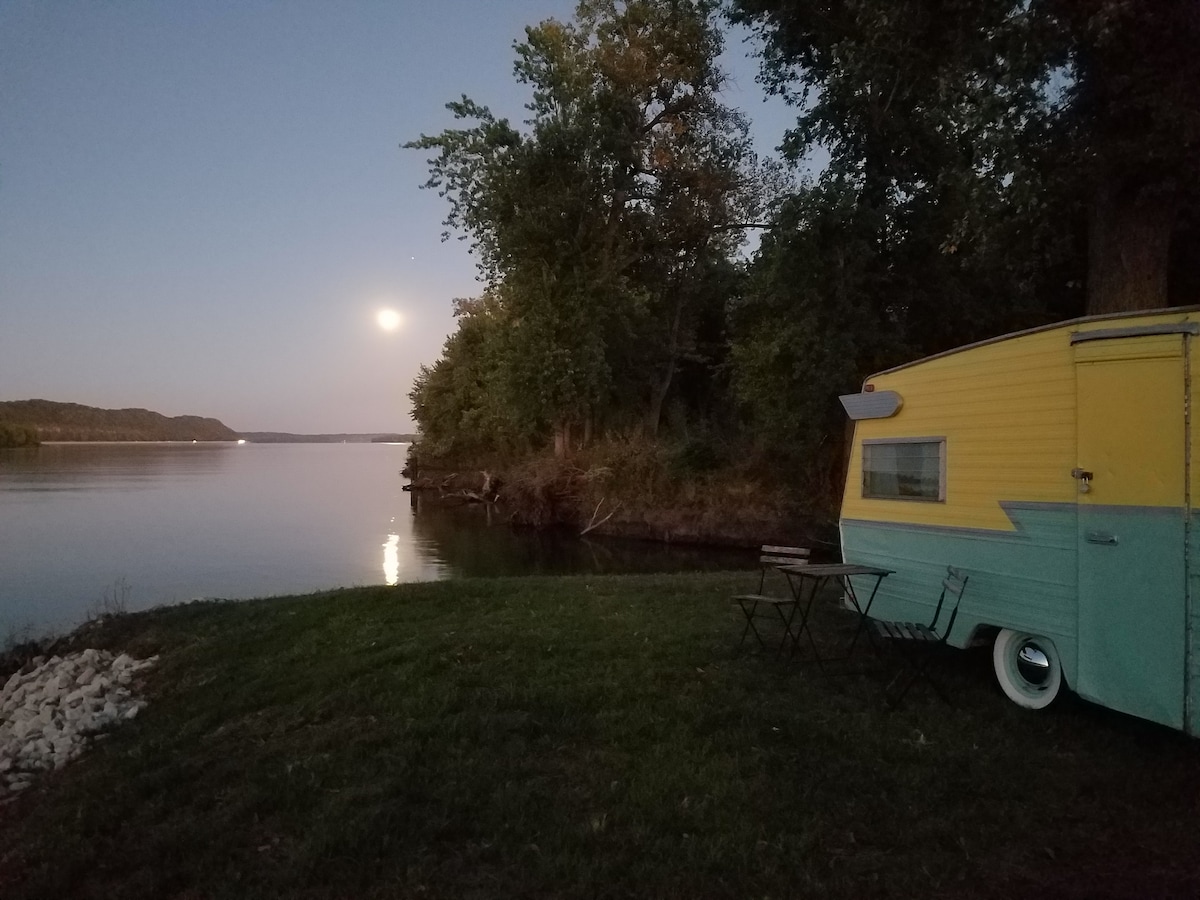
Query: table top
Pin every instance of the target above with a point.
(833, 570)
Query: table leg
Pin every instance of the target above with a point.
(864, 613)
(805, 628)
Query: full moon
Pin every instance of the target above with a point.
(388, 319)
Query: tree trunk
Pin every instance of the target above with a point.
(562, 439)
(658, 394)
(1129, 243)
(658, 391)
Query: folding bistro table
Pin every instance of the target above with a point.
(809, 579)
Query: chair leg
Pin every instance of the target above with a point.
(918, 666)
(749, 621)
(750, 614)
(788, 637)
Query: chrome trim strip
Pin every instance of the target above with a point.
(1106, 334)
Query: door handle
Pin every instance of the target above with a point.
(1100, 537)
(1084, 478)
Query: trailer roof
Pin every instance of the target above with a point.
(1066, 323)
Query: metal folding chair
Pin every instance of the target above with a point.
(917, 643)
(779, 607)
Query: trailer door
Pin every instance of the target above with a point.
(1132, 460)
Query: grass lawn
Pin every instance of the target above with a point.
(582, 736)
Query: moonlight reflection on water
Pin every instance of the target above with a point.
(172, 522)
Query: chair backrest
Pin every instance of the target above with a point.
(954, 584)
(784, 556)
(771, 557)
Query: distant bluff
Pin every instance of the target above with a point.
(54, 421)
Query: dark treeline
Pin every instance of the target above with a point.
(17, 436)
(993, 165)
(48, 420)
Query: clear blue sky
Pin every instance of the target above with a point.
(203, 204)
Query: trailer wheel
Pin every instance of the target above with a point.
(1027, 667)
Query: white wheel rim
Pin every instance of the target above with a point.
(1027, 668)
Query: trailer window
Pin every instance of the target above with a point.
(905, 469)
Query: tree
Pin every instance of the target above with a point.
(932, 113)
(1132, 123)
(459, 400)
(593, 228)
(1042, 116)
(930, 227)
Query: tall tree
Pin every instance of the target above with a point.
(1018, 112)
(928, 227)
(928, 110)
(1132, 125)
(592, 225)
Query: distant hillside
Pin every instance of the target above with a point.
(283, 437)
(74, 422)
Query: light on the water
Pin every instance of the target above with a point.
(391, 559)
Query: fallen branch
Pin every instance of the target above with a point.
(594, 524)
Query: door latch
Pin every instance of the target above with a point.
(1084, 478)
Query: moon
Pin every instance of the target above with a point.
(389, 319)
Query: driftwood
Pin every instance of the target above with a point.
(593, 523)
(425, 483)
(488, 493)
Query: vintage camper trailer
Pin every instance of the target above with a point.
(1059, 468)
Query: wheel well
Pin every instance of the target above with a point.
(983, 635)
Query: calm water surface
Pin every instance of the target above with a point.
(166, 523)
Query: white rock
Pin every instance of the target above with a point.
(55, 707)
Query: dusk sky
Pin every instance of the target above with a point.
(203, 206)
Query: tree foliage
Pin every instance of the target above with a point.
(596, 227)
(49, 420)
(1074, 122)
(992, 165)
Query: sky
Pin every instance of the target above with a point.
(204, 206)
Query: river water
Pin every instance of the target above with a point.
(142, 524)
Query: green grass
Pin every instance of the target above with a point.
(584, 736)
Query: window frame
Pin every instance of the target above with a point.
(939, 440)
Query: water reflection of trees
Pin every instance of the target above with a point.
(476, 540)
